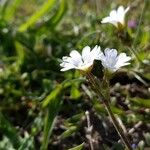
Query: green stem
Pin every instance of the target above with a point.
(117, 126)
(107, 106)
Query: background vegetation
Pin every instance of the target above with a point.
(43, 108)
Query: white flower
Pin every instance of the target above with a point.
(116, 17)
(112, 62)
(82, 61)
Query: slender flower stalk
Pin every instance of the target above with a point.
(105, 101)
(117, 126)
(111, 62)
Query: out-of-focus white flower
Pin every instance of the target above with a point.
(84, 61)
(112, 62)
(116, 17)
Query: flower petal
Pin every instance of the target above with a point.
(86, 54)
(66, 66)
(75, 54)
(67, 59)
(127, 9)
(110, 53)
(116, 16)
(84, 62)
(106, 20)
(76, 57)
(112, 62)
(113, 14)
(122, 60)
(96, 53)
(120, 10)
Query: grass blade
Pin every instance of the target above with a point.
(59, 14)
(9, 131)
(53, 102)
(79, 147)
(27, 144)
(141, 102)
(47, 6)
(10, 9)
(20, 54)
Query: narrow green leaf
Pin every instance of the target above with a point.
(26, 40)
(53, 95)
(9, 131)
(79, 147)
(75, 93)
(47, 6)
(20, 53)
(69, 132)
(11, 9)
(141, 145)
(75, 118)
(141, 102)
(59, 14)
(147, 138)
(100, 108)
(27, 144)
(53, 102)
(54, 20)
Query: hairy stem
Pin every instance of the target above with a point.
(117, 126)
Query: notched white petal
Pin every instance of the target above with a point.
(113, 13)
(96, 53)
(86, 53)
(65, 69)
(82, 62)
(116, 17)
(112, 62)
(127, 9)
(120, 10)
(75, 54)
(106, 20)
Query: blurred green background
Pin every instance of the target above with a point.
(43, 108)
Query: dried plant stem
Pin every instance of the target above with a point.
(136, 126)
(89, 130)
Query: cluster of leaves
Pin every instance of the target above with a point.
(35, 99)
